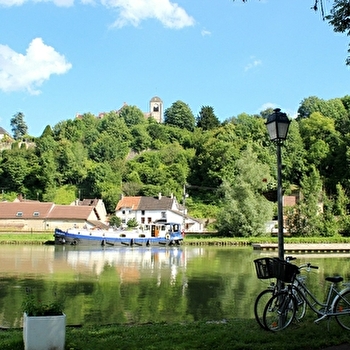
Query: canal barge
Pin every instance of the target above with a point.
(157, 234)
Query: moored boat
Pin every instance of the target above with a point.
(158, 234)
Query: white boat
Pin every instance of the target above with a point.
(157, 234)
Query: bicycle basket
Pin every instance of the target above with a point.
(285, 271)
(264, 268)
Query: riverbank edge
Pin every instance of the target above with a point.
(189, 240)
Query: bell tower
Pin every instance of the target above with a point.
(156, 109)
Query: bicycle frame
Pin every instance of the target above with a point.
(327, 307)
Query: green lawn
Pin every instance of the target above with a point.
(228, 334)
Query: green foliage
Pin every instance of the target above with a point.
(339, 19)
(132, 115)
(180, 115)
(36, 307)
(18, 126)
(207, 119)
(245, 210)
(307, 219)
(132, 223)
(115, 221)
(225, 167)
(65, 194)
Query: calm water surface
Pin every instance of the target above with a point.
(123, 285)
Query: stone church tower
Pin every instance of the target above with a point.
(156, 109)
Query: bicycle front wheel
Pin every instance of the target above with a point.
(342, 308)
(280, 311)
(259, 306)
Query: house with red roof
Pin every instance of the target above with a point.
(23, 215)
(147, 210)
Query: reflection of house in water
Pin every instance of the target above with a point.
(130, 263)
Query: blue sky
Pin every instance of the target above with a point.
(63, 57)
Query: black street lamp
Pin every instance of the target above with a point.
(277, 125)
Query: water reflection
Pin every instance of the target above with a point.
(109, 285)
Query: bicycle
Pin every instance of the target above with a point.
(281, 308)
(265, 268)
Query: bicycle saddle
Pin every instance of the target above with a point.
(335, 279)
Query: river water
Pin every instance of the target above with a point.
(127, 285)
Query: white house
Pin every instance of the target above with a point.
(148, 210)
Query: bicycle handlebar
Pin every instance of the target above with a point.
(308, 266)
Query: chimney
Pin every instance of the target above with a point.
(159, 195)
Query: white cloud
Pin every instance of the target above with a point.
(12, 2)
(63, 3)
(253, 64)
(205, 32)
(59, 3)
(27, 72)
(266, 106)
(134, 11)
(170, 14)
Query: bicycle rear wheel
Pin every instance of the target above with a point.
(259, 306)
(280, 311)
(342, 305)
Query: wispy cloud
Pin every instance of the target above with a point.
(60, 3)
(132, 12)
(266, 106)
(205, 32)
(252, 64)
(27, 72)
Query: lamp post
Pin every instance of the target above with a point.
(277, 125)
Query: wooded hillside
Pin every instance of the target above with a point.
(225, 166)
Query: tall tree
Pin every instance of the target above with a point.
(180, 115)
(18, 125)
(207, 119)
(245, 210)
(132, 115)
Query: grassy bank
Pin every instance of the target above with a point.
(190, 239)
(25, 238)
(228, 334)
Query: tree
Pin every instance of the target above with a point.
(180, 115)
(245, 210)
(339, 18)
(307, 219)
(18, 125)
(132, 115)
(207, 119)
(115, 221)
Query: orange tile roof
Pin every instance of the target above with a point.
(129, 202)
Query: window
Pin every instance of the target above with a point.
(142, 212)
(36, 214)
(123, 212)
(163, 214)
(19, 213)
